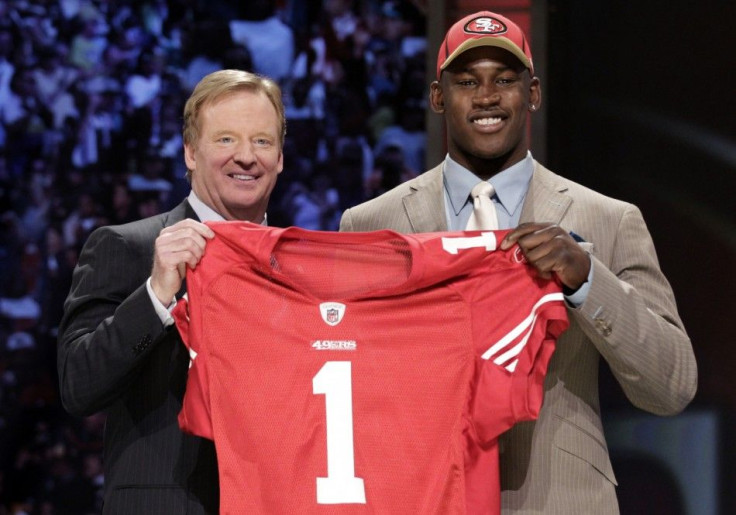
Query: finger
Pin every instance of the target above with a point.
(201, 232)
(558, 256)
(545, 233)
(173, 257)
(536, 254)
(542, 242)
(201, 228)
(181, 239)
(520, 232)
(193, 225)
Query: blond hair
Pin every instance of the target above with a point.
(220, 83)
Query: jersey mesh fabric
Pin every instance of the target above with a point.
(272, 313)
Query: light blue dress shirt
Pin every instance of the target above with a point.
(510, 187)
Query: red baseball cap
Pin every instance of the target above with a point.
(484, 28)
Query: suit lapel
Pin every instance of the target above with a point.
(180, 212)
(546, 200)
(421, 205)
(189, 212)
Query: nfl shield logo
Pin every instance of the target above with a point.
(331, 316)
(332, 312)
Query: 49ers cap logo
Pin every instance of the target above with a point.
(485, 25)
(484, 28)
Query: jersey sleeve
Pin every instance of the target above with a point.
(194, 416)
(511, 370)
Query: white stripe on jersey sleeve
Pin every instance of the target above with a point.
(499, 352)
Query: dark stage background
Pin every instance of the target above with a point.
(637, 104)
(640, 107)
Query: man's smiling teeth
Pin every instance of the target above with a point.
(242, 177)
(487, 121)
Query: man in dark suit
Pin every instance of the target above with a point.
(118, 350)
(620, 305)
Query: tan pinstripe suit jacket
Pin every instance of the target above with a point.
(559, 464)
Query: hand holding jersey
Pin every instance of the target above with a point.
(176, 248)
(552, 251)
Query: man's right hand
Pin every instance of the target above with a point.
(176, 247)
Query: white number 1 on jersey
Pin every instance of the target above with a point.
(334, 380)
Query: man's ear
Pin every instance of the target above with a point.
(189, 159)
(436, 98)
(535, 93)
(189, 156)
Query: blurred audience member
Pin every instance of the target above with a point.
(269, 40)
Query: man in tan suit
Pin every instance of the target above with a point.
(621, 307)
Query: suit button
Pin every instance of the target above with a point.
(603, 327)
(142, 344)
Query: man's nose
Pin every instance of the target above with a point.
(245, 153)
(487, 94)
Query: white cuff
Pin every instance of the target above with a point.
(576, 299)
(163, 312)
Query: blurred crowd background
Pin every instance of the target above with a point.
(91, 95)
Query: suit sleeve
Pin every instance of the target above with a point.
(109, 323)
(346, 221)
(631, 316)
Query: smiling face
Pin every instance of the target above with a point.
(485, 95)
(237, 157)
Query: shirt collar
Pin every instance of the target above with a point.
(510, 184)
(205, 213)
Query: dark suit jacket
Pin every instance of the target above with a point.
(115, 356)
(559, 464)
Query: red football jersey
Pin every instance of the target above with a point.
(362, 372)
